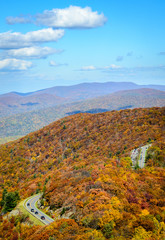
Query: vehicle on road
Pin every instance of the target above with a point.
(30, 206)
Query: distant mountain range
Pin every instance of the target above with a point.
(15, 102)
(23, 123)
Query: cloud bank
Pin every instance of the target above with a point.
(35, 52)
(10, 40)
(120, 69)
(71, 17)
(91, 68)
(16, 47)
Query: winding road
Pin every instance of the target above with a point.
(31, 203)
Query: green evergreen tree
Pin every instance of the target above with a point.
(2, 202)
(11, 199)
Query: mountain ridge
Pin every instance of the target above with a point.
(13, 103)
(130, 84)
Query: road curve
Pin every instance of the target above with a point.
(31, 203)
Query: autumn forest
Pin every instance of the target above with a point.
(82, 166)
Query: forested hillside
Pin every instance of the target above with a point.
(82, 164)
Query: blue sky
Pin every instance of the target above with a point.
(51, 43)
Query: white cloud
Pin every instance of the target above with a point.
(90, 68)
(54, 64)
(14, 64)
(112, 66)
(71, 17)
(18, 40)
(34, 52)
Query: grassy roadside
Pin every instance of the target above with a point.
(31, 217)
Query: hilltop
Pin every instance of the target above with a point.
(82, 164)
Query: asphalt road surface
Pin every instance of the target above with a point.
(143, 155)
(31, 204)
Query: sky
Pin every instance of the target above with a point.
(56, 43)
